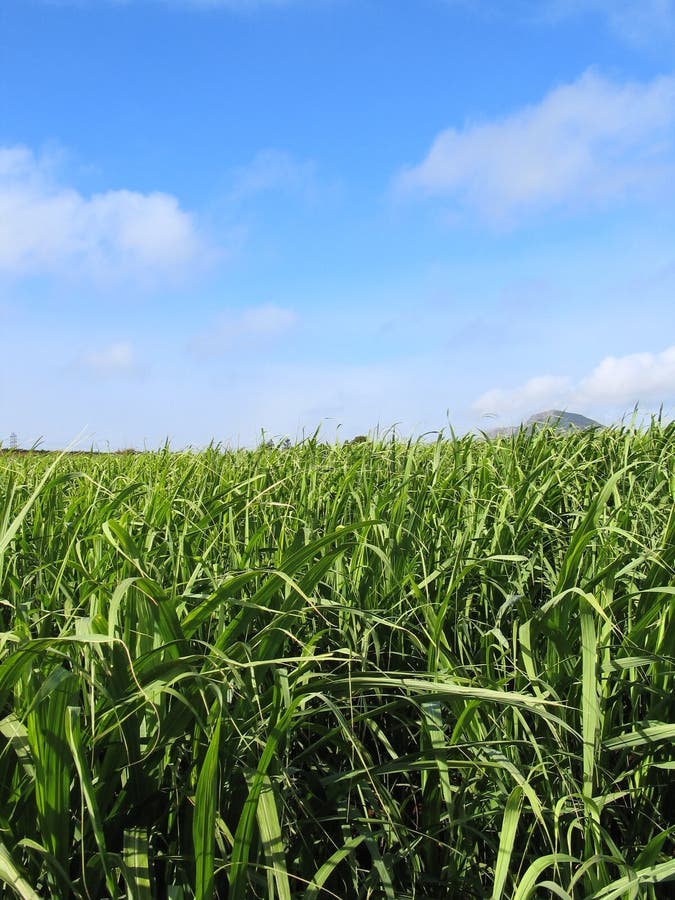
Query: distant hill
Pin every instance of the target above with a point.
(555, 418)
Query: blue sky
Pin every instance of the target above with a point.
(223, 216)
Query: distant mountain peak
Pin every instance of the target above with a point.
(563, 420)
(559, 419)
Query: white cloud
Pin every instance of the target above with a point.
(638, 377)
(115, 359)
(618, 382)
(48, 228)
(252, 326)
(593, 141)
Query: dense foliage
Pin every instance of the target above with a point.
(372, 670)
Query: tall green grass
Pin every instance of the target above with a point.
(396, 670)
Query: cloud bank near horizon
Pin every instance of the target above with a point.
(616, 383)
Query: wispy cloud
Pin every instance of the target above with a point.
(591, 142)
(254, 326)
(115, 359)
(637, 22)
(238, 5)
(47, 227)
(276, 171)
(232, 5)
(618, 382)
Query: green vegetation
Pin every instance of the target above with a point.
(379, 670)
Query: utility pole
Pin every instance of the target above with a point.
(13, 442)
